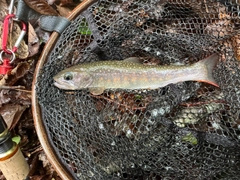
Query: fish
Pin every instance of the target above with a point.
(131, 74)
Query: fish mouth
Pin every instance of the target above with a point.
(60, 86)
(64, 86)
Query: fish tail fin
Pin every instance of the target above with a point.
(209, 62)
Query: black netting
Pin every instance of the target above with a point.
(188, 130)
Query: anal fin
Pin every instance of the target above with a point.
(132, 59)
(96, 90)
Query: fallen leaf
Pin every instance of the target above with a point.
(3, 9)
(46, 164)
(66, 2)
(4, 98)
(11, 113)
(19, 71)
(225, 24)
(16, 139)
(236, 46)
(41, 177)
(41, 6)
(15, 96)
(33, 41)
(43, 35)
(64, 11)
(51, 2)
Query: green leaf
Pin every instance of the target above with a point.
(138, 97)
(190, 138)
(83, 28)
(16, 139)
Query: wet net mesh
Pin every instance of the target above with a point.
(188, 130)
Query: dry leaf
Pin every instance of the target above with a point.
(43, 35)
(41, 177)
(66, 2)
(64, 11)
(41, 6)
(19, 71)
(33, 41)
(12, 113)
(236, 46)
(15, 96)
(3, 9)
(51, 2)
(4, 98)
(220, 28)
(46, 164)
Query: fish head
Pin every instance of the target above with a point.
(72, 80)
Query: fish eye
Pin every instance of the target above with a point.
(68, 76)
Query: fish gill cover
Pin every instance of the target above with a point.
(187, 130)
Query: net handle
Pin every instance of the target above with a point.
(64, 172)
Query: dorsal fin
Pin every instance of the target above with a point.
(132, 59)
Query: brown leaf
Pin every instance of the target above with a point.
(33, 41)
(236, 46)
(64, 11)
(4, 98)
(34, 163)
(41, 6)
(51, 2)
(3, 9)
(15, 96)
(66, 2)
(12, 113)
(43, 35)
(19, 71)
(46, 164)
(41, 177)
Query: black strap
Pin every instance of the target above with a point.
(48, 23)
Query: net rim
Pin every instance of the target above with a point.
(44, 139)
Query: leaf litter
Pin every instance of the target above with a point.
(15, 86)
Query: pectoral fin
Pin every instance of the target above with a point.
(132, 59)
(97, 90)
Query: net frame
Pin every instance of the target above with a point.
(37, 111)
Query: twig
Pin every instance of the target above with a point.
(205, 3)
(12, 87)
(17, 88)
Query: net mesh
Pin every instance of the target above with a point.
(188, 130)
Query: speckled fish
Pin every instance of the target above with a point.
(131, 74)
